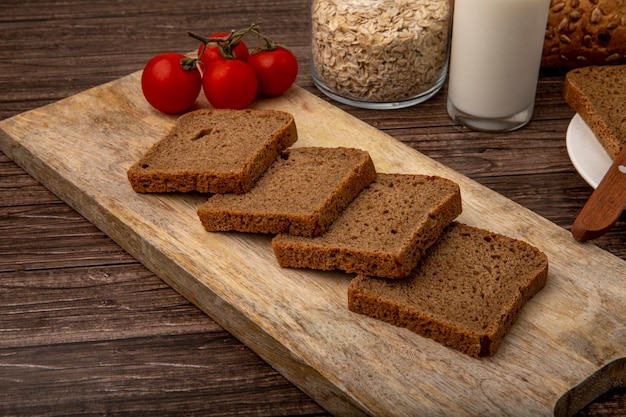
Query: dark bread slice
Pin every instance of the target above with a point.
(466, 293)
(302, 193)
(598, 94)
(383, 232)
(214, 151)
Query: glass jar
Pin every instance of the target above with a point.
(380, 53)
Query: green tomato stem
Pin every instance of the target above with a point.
(189, 64)
(226, 44)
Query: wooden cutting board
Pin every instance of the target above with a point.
(567, 347)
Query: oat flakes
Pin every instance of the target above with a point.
(380, 50)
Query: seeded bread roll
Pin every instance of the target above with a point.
(466, 293)
(598, 94)
(214, 151)
(383, 232)
(302, 193)
(585, 32)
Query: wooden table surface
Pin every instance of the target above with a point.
(85, 328)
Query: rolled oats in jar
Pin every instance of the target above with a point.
(380, 53)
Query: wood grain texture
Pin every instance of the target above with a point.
(297, 320)
(51, 50)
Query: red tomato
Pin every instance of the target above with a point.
(167, 86)
(229, 84)
(276, 70)
(212, 52)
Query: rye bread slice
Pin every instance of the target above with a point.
(383, 232)
(466, 293)
(302, 193)
(214, 151)
(598, 94)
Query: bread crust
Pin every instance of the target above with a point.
(302, 193)
(585, 32)
(383, 232)
(214, 151)
(465, 294)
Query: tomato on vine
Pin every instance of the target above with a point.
(229, 74)
(276, 69)
(229, 47)
(229, 84)
(170, 82)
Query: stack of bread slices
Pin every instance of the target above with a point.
(414, 264)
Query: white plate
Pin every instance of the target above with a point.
(588, 156)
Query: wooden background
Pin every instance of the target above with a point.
(85, 328)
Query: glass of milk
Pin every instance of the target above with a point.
(494, 62)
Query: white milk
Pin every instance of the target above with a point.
(495, 55)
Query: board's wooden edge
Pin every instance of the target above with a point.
(335, 402)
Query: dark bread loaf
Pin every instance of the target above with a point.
(466, 293)
(598, 94)
(585, 32)
(383, 232)
(214, 151)
(302, 193)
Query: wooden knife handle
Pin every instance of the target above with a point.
(601, 211)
